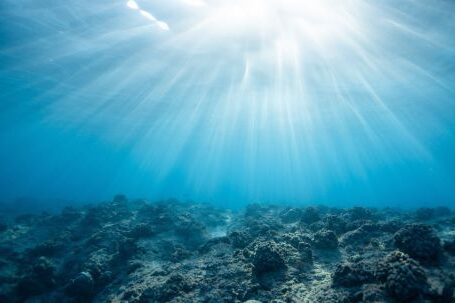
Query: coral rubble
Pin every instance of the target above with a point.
(169, 251)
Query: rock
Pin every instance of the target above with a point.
(295, 258)
(3, 226)
(448, 290)
(449, 246)
(127, 247)
(239, 239)
(296, 239)
(356, 224)
(38, 280)
(25, 219)
(391, 226)
(335, 223)
(47, 249)
(70, 214)
(44, 270)
(442, 211)
(191, 230)
(99, 263)
(442, 291)
(134, 265)
(361, 236)
(81, 287)
(325, 239)
(290, 215)
(141, 230)
(419, 241)
(212, 243)
(424, 214)
(257, 210)
(28, 287)
(174, 286)
(170, 251)
(316, 226)
(360, 213)
(119, 198)
(310, 215)
(372, 293)
(263, 227)
(353, 274)
(267, 258)
(306, 253)
(330, 295)
(404, 278)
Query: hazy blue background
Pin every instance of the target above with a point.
(228, 102)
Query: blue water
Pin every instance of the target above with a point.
(229, 102)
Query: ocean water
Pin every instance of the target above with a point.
(229, 102)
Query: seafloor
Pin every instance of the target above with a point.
(135, 251)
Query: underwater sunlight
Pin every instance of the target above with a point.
(227, 151)
(229, 102)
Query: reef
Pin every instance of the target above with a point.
(170, 251)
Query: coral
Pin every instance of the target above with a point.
(419, 241)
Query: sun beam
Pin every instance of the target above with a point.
(262, 96)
